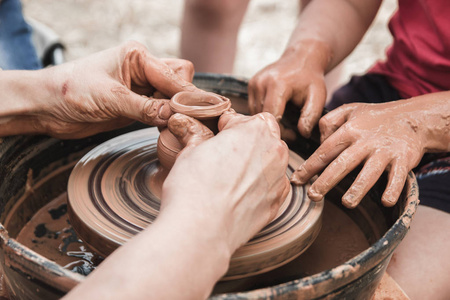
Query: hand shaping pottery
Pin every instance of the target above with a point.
(114, 192)
(204, 106)
(113, 195)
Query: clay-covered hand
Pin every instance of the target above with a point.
(221, 190)
(236, 178)
(386, 136)
(298, 76)
(111, 88)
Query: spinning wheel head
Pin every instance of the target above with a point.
(114, 192)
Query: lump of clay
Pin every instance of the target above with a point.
(203, 106)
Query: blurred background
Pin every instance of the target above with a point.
(87, 26)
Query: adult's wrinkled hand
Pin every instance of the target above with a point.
(237, 178)
(112, 88)
(298, 76)
(382, 136)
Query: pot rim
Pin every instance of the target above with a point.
(216, 104)
(347, 272)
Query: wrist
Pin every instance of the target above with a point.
(28, 97)
(426, 117)
(24, 94)
(432, 113)
(315, 54)
(206, 232)
(190, 242)
(21, 92)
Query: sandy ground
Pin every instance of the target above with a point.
(87, 26)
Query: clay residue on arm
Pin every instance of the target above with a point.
(388, 137)
(325, 34)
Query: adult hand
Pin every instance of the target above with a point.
(112, 88)
(298, 76)
(385, 136)
(221, 190)
(241, 170)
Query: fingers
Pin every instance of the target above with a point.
(287, 134)
(370, 173)
(81, 130)
(372, 170)
(313, 107)
(336, 171)
(189, 131)
(271, 123)
(154, 112)
(251, 99)
(265, 95)
(142, 71)
(164, 78)
(329, 123)
(275, 101)
(256, 99)
(151, 111)
(396, 182)
(327, 152)
(231, 118)
(181, 67)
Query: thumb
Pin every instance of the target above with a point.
(189, 131)
(164, 79)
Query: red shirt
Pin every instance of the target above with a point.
(418, 61)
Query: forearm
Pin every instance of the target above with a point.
(327, 31)
(178, 257)
(23, 98)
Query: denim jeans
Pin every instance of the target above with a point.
(16, 48)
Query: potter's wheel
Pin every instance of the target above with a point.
(114, 194)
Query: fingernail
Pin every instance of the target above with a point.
(388, 201)
(164, 112)
(314, 195)
(348, 200)
(295, 179)
(304, 132)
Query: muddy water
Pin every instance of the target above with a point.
(50, 234)
(339, 240)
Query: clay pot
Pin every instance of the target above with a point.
(28, 181)
(203, 106)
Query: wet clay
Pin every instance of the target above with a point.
(113, 196)
(204, 106)
(390, 136)
(339, 240)
(50, 234)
